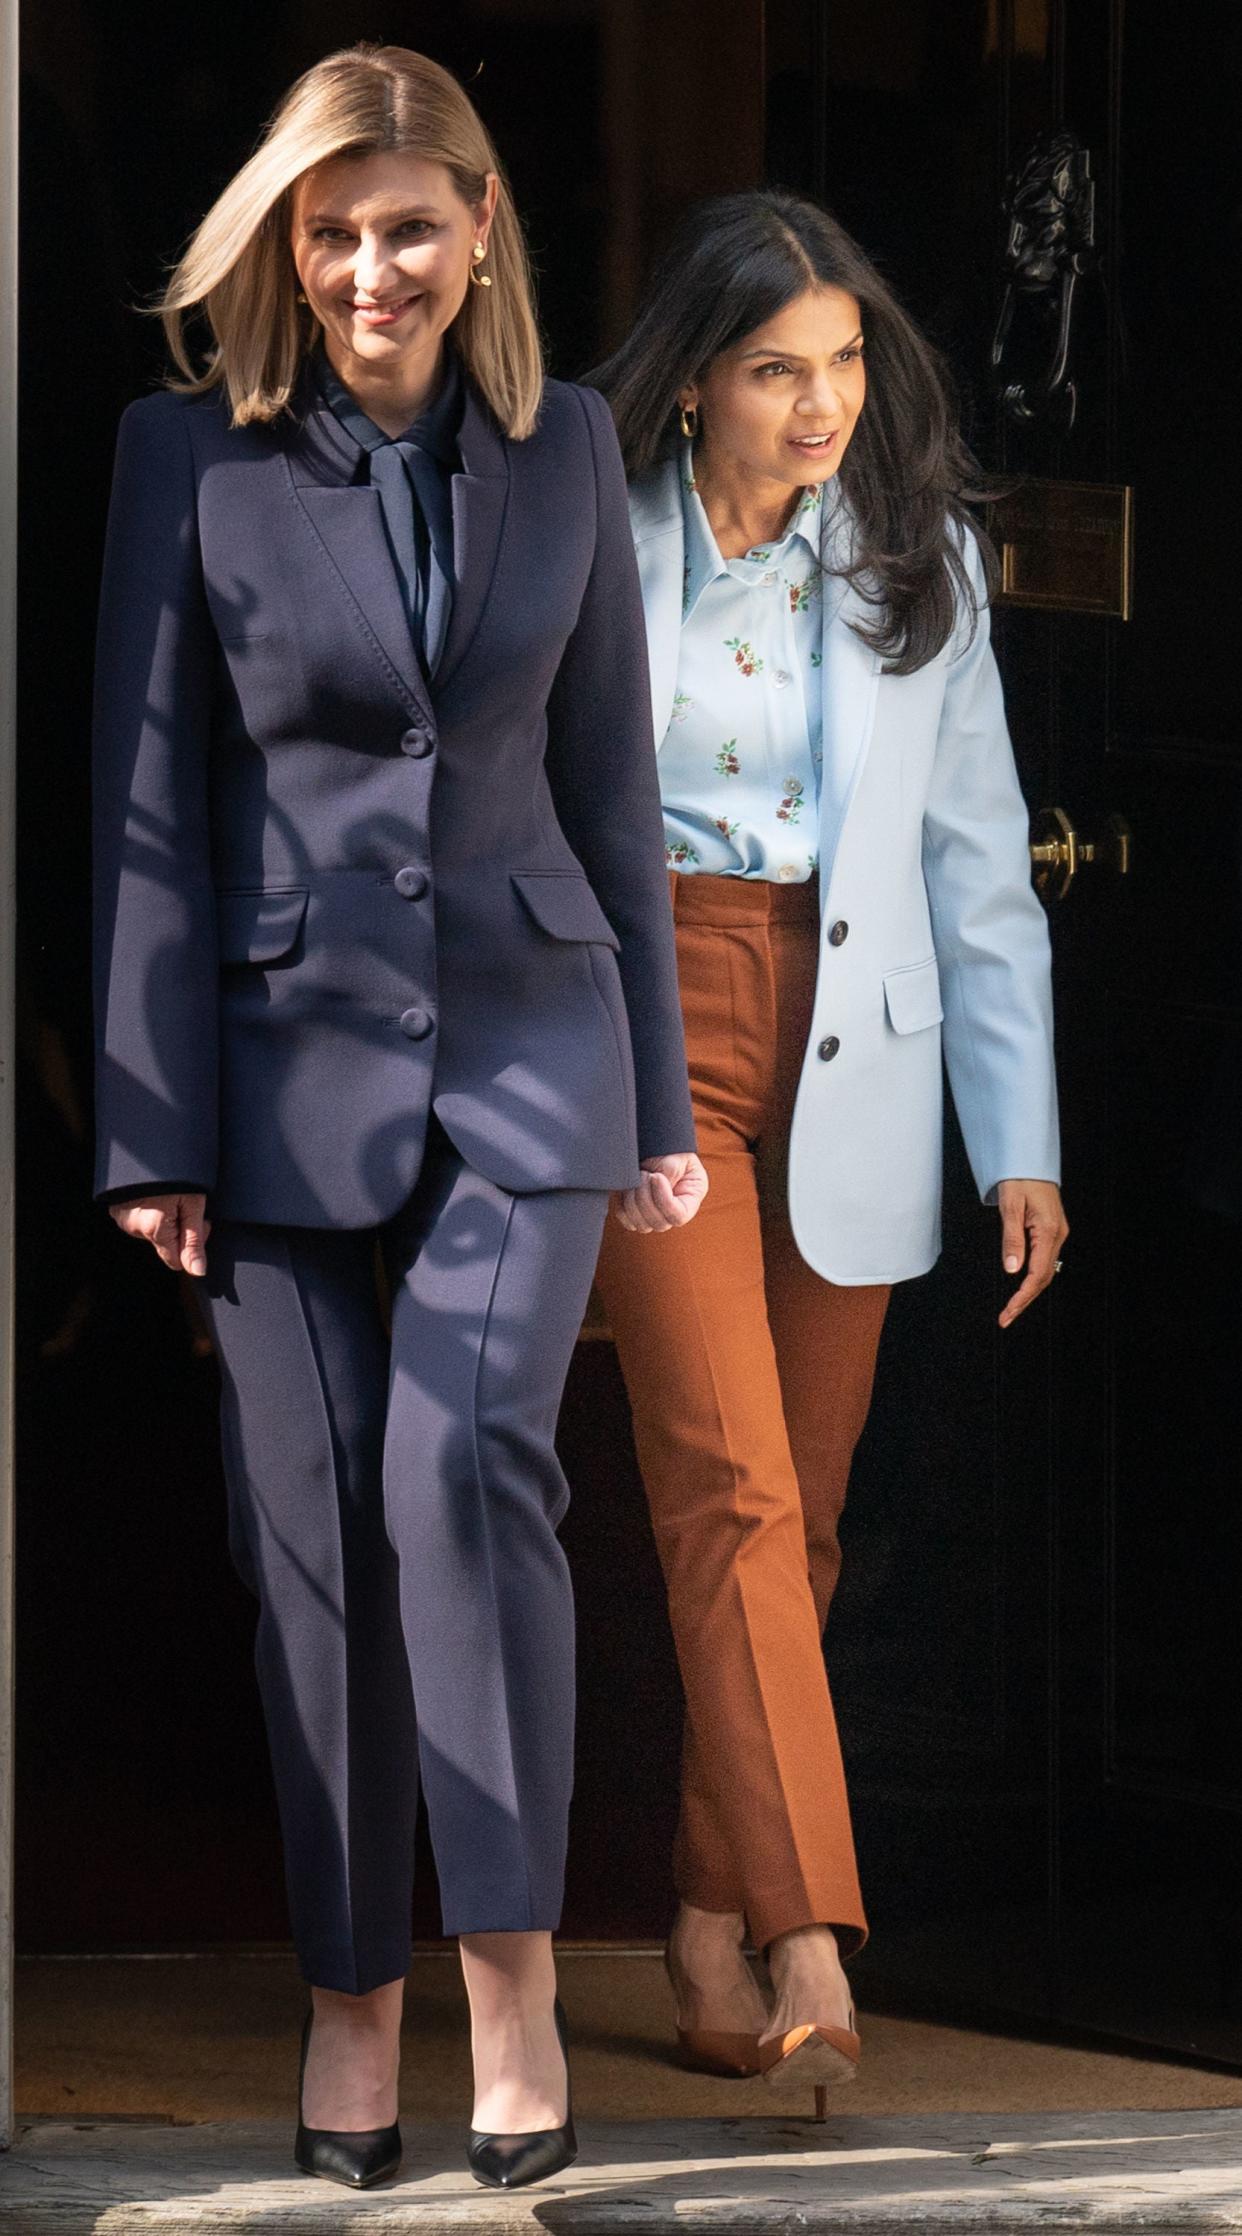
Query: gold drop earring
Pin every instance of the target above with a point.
(481, 279)
(689, 421)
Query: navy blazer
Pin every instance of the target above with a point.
(330, 897)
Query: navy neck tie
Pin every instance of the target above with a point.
(402, 470)
(412, 476)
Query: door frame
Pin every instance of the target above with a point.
(8, 757)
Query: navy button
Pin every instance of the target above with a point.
(839, 934)
(411, 884)
(416, 1023)
(827, 1048)
(417, 743)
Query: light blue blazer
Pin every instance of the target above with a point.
(923, 852)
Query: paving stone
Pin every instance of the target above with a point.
(1067, 2172)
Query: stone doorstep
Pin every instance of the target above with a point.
(1069, 2172)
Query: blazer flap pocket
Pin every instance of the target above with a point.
(563, 904)
(913, 996)
(260, 926)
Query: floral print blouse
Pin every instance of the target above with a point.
(740, 762)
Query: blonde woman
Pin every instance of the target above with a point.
(386, 968)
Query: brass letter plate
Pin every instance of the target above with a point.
(1066, 546)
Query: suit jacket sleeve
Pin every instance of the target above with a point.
(155, 973)
(990, 931)
(602, 770)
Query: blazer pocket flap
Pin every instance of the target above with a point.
(259, 927)
(564, 905)
(913, 996)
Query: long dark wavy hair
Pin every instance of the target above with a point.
(734, 262)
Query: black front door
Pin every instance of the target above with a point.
(1035, 1647)
(1150, 725)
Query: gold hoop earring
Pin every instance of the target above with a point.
(689, 421)
(481, 279)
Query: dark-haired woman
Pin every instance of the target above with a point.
(852, 896)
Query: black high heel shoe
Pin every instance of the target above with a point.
(358, 2158)
(510, 2161)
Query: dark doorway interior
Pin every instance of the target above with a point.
(144, 1806)
(144, 1811)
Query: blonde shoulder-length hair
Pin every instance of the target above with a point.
(238, 268)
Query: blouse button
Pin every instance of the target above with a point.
(787, 872)
(780, 677)
(770, 578)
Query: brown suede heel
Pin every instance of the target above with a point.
(729, 2056)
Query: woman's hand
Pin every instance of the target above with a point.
(668, 1195)
(175, 1226)
(1033, 1229)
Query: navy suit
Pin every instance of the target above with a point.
(387, 960)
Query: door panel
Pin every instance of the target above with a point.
(1051, 1517)
(1150, 1785)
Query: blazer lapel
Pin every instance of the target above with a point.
(660, 547)
(480, 497)
(347, 530)
(851, 675)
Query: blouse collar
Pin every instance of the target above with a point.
(435, 428)
(704, 563)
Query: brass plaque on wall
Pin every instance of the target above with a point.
(1066, 546)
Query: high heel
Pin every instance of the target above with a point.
(511, 2161)
(358, 2159)
(727, 2057)
(731, 2057)
(818, 2056)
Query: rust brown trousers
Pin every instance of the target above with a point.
(749, 1380)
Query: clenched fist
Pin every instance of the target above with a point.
(176, 1227)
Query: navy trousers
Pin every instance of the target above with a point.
(393, 1502)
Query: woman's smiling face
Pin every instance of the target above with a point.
(781, 404)
(383, 246)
